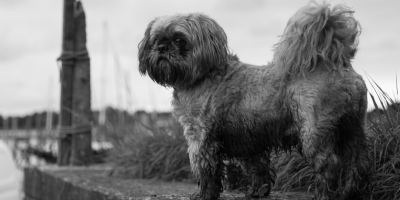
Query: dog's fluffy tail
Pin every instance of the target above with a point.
(317, 36)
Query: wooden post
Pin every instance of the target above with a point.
(64, 143)
(74, 145)
(81, 152)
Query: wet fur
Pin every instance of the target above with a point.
(308, 97)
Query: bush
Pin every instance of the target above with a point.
(155, 153)
(384, 127)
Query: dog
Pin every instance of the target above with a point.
(309, 97)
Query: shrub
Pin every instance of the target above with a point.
(384, 127)
(155, 153)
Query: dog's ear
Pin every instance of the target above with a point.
(144, 49)
(211, 46)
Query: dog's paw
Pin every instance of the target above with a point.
(201, 196)
(195, 196)
(263, 191)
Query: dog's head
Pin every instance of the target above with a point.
(180, 50)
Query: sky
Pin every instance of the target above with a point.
(31, 31)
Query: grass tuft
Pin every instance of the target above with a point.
(384, 129)
(150, 153)
(293, 172)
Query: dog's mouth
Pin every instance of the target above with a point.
(162, 60)
(163, 63)
(164, 70)
(164, 66)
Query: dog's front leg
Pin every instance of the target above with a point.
(207, 167)
(262, 176)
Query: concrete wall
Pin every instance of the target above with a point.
(93, 183)
(40, 185)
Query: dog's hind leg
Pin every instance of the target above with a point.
(318, 146)
(320, 153)
(332, 140)
(352, 149)
(261, 174)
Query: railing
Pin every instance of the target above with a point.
(26, 134)
(13, 134)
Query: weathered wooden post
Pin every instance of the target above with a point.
(64, 143)
(75, 112)
(81, 152)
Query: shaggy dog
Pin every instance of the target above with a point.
(308, 97)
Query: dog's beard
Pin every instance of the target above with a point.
(173, 69)
(166, 69)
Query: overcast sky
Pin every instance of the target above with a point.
(31, 30)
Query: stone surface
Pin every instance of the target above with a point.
(93, 183)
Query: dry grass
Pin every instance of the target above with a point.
(384, 128)
(151, 154)
(293, 172)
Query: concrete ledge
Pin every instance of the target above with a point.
(92, 183)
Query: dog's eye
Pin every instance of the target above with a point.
(179, 42)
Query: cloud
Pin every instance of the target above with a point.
(31, 31)
(11, 4)
(239, 6)
(28, 27)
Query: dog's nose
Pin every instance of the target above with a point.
(162, 48)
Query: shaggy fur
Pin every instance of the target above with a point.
(308, 97)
